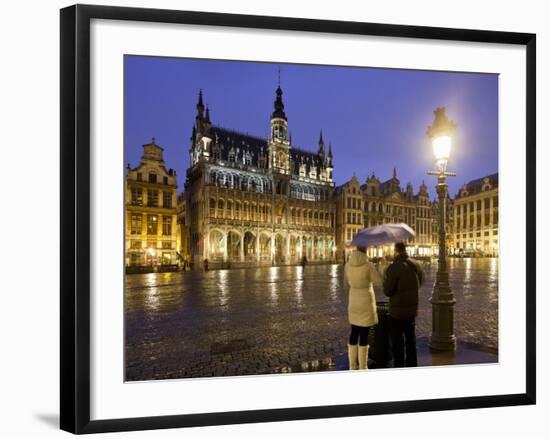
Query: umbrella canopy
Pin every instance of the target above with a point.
(383, 234)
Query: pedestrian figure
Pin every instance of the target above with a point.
(359, 276)
(205, 264)
(303, 262)
(402, 281)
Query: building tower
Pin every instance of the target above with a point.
(279, 146)
(201, 137)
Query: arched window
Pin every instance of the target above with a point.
(152, 177)
(220, 204)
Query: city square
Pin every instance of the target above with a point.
(236, 246)
(278, 319)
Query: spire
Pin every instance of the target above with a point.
(330, 150)
(193, 134)
(321, 144)
(278, 104)
(394, 173)
(200, 105)
(207, 116)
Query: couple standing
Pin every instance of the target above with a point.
(401, 281)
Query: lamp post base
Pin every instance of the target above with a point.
(443, 338)
(442, 343)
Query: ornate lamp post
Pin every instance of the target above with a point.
(442, 300)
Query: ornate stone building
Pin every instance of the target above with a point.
(251, 200)
(375, 203)
(150, 212)
(475, 217)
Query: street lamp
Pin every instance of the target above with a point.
(442, 300)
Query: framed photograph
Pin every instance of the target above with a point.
(268, 219)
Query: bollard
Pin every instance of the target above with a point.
(380, 352)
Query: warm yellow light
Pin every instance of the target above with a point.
(442, 148)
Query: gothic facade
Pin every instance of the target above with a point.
(250, 200)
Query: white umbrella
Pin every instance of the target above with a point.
(383, 234)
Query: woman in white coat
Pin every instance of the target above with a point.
(360, 275)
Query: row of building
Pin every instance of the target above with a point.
(253, 201)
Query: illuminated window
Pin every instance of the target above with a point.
(152, 224)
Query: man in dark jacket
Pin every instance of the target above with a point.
(401, 283)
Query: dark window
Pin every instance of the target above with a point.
(139, 176)
(135, 224)
(165, 180)
(152, 177)
(166, 225)
(152, 198)
(137, 196)
(167, 199)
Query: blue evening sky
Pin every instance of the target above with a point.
(375, 118)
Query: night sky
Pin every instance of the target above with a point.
(375, 118)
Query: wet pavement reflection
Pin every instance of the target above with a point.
(274, 319)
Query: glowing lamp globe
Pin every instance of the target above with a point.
(440, 134)
(442, 150)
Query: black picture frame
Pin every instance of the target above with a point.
(75, 217)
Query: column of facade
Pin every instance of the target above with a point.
(491, 212)
(206, 244)
(241, 249)
(224, 243)
(287, 252)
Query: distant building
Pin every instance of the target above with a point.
(475, 217)
(151, 212)
(250, 200)
(375, 203)
(349, 215)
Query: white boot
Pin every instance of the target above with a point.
(363, 356)
(352, 356)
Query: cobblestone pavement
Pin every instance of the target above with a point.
(271, 320)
